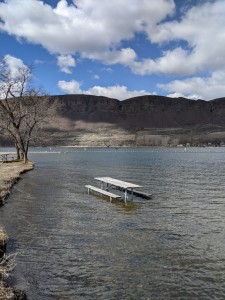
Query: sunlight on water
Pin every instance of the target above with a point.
(77, 246)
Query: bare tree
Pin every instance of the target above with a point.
(22, 108)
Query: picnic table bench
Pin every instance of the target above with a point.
(103, 192)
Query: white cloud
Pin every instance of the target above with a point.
(117, 91)
(65, 62)
(93, 29)
(70, 87)
(96, 29)
(14, 64)
(90, 26)
(13, 67)
(202, 29)
(173, 62)
(124, 56)
(198, 87)
(108, 69)
(178, 95)
(96, 77)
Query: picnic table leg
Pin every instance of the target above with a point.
(107, 186)
(132, 193)
(125, 196)
(101, 185)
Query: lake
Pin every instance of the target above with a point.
(72, 245)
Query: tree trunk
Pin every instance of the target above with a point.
(26, 153)
(25, 159)
(17, 152)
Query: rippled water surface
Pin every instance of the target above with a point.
(76, 246)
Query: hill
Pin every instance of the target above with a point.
(85, 120)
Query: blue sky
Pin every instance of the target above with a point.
(119, 48)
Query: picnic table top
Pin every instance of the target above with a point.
(119, 183)
(7, 153)
(4, 156)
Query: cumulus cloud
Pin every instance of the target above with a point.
(206, 88)
(13, 67)
(103, 25)
(124, 56)
(201, 28)
(173, 62)
(117, 91)
(65, 62)
(96, 29)
(70, 87)
(14, 64)
(59, 29)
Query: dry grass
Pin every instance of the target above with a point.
(3, 237)
(10, 173)
(7, 264)
(6, 293)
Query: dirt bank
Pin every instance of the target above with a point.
(9, 175)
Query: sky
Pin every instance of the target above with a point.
(118, 48)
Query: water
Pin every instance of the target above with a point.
(76, 246)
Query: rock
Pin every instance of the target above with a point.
(19, 295)
(2, 250)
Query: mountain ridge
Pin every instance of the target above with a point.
(145, 111)
(151, 120)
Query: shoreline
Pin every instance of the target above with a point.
(108, 147)
(9, 174)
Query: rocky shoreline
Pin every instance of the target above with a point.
(9, 175)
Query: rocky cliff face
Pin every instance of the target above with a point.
(145, 111)
(146, 120)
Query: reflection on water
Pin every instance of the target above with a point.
(77, 246)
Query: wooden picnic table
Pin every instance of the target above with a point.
(118, 183)
(4, 156)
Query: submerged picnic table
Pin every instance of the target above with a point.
(118, 183)
(127, 187)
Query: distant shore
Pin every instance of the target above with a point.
(56, 149)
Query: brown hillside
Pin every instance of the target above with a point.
(146, 120)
